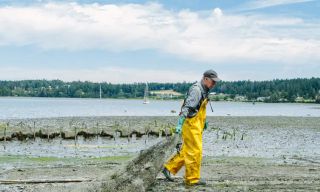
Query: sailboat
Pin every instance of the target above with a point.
(145, 98)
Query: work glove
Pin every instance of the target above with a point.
(206, 124)
(179, 125)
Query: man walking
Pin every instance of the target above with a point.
(191, 123)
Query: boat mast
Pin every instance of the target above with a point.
(100, 91)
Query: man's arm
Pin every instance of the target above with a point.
(192, 101)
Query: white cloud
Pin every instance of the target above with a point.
(107, 74)
(217, 12)
(212, 38)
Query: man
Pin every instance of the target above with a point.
(191, 123)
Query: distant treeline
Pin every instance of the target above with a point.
(278, 90)
(272, 91)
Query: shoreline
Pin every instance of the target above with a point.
(154, 99)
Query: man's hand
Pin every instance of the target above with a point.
(180, 124)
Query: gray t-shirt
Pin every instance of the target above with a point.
(196, 94)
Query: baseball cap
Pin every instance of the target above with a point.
(211, 74)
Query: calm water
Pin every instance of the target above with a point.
(12, 107)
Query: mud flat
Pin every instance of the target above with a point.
(249, 174)
(240, 154)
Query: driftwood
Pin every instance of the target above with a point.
(140, 173)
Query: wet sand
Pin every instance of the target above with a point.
(240, 154)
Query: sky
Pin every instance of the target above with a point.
(126, 41)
